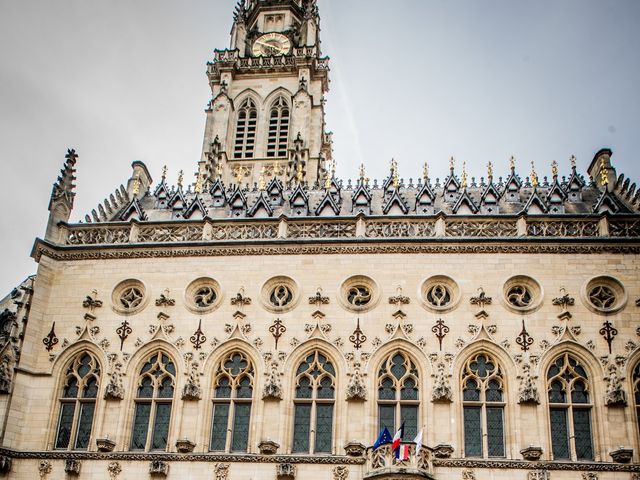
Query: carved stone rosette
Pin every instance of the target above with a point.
(114, 470)
(340, 473)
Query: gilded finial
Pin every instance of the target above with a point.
(198, 188)
(394, 172)
(327, 182)
(512, 163)
(425, 172)
(238, 173)
(452, 164)
(554, 169)
(180, 178)
(136, 183)
(534, 175)
(573, 161)
(464, 174)
(164, 173)
(604, 178)
(262, 184)
(219, 169)
(299, 174)
(362, 171)
(490, 170)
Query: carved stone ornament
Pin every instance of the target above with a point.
(442, 391)
(286, 471)
(615, 396)
(192, 389)
(6, 373)
(589, 476)
(443, 450)
(355, 449)
(5, 464)
(340, 472)
(622, 455)
(221, 471)
(539, 475)
(114, 470)
(158, 468)
(268, 447)
(528, 391)
(44, 468)
(105, 445)
(531, 453)
(115, 388)
(72, 467)
(273, 386)
(356, 389)
(468, 475)
(185, 446)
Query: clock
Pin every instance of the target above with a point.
(271, 44)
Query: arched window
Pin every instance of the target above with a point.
(313, 405)
(232, 395)
(636, 393)
(569, 409)
(154, 398)
(278, 129)
(483, 407)
(246, 130)
(78, 402)
(398, 398)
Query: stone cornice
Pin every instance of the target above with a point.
(542, 465)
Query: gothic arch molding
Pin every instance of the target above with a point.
(273, 96)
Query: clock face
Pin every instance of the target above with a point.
(271, 44)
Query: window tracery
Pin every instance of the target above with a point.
(278, 129)
(232, 397)
(636, 393)
(78, 403)
(398, 395)
(569, 409)
(439, 296)
(246, 130)
(359, 295)
(314, 405)
(483, 407)
(153, 403)
(519, 296)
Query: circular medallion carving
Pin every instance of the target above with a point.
(359, 293)
(604, 295)
(439, 293)
(280, 294)
(203, 295)
(522, 294)
(129, 297)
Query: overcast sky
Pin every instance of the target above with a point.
(418, 80)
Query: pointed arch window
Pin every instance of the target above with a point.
(246, 130)
(398, 396)
(154, 399)
(313, 405)
(78, 403)
(232, 396)
(483, 407)
(636, 393)
(569, 409)
(278, 129)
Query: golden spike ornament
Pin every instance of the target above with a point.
(604, 178)
(512, 163)
(464, 174)
(490, 170)
(362, 171)
(534, 175)
(299, 174)
(425, 172)
(180, 178)
(198, 188)
(554, 169)
(136, 184)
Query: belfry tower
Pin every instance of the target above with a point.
(266, 117)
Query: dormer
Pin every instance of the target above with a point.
(425, 200)
(299, 202)
(575, 186)
(261, 208)
(361, 199)
(177, 203)
(237, 203)
(196, 210)
(217, 192)
(328, 206)
(556, 198)
(607, 203)
(161, 194)
(490, 198)
(535, 205)
(512, 187)
(450, 188)
(133, 211)
(274, 190)
(465, 205)
(395, 204)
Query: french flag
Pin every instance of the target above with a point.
(401, 451)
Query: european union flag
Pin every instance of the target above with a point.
(383, 438)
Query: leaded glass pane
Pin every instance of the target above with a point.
(165, 390)
(495, 432)
(64, 425)
(140, 426)
(386, 391)
(328, 367)
(472, 432)
(303, 390)
(397, 368)
(145, 390)
(409, 415)
(301, 428)
(324, 427)
(219, 427)
(579, 393)
(91, 388)
(559, 433)
(71, 388)
(582, 432)
(85, 365)
(161, 427)
(223, 389)
(85, 422)
(240, 437)
(556, 392)
(147, 366)
(245, 390)
(168, 365)
(386, 416)
(325, 388)
(409, 390)
(494, 391)
(482, 366)
(471, 392)
(235, 364)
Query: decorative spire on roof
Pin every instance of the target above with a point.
(262, 184)
(394, 173)
(136, 184)
(604, 177)
(490, 172)
(554, 169)
(164, 174)
(534, 176)
(425, 172)
(62, 191)
(180, 179)
(512, 164)
(464, 175)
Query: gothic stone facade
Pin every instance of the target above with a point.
(268, 320)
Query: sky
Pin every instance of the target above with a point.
(414, 80)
